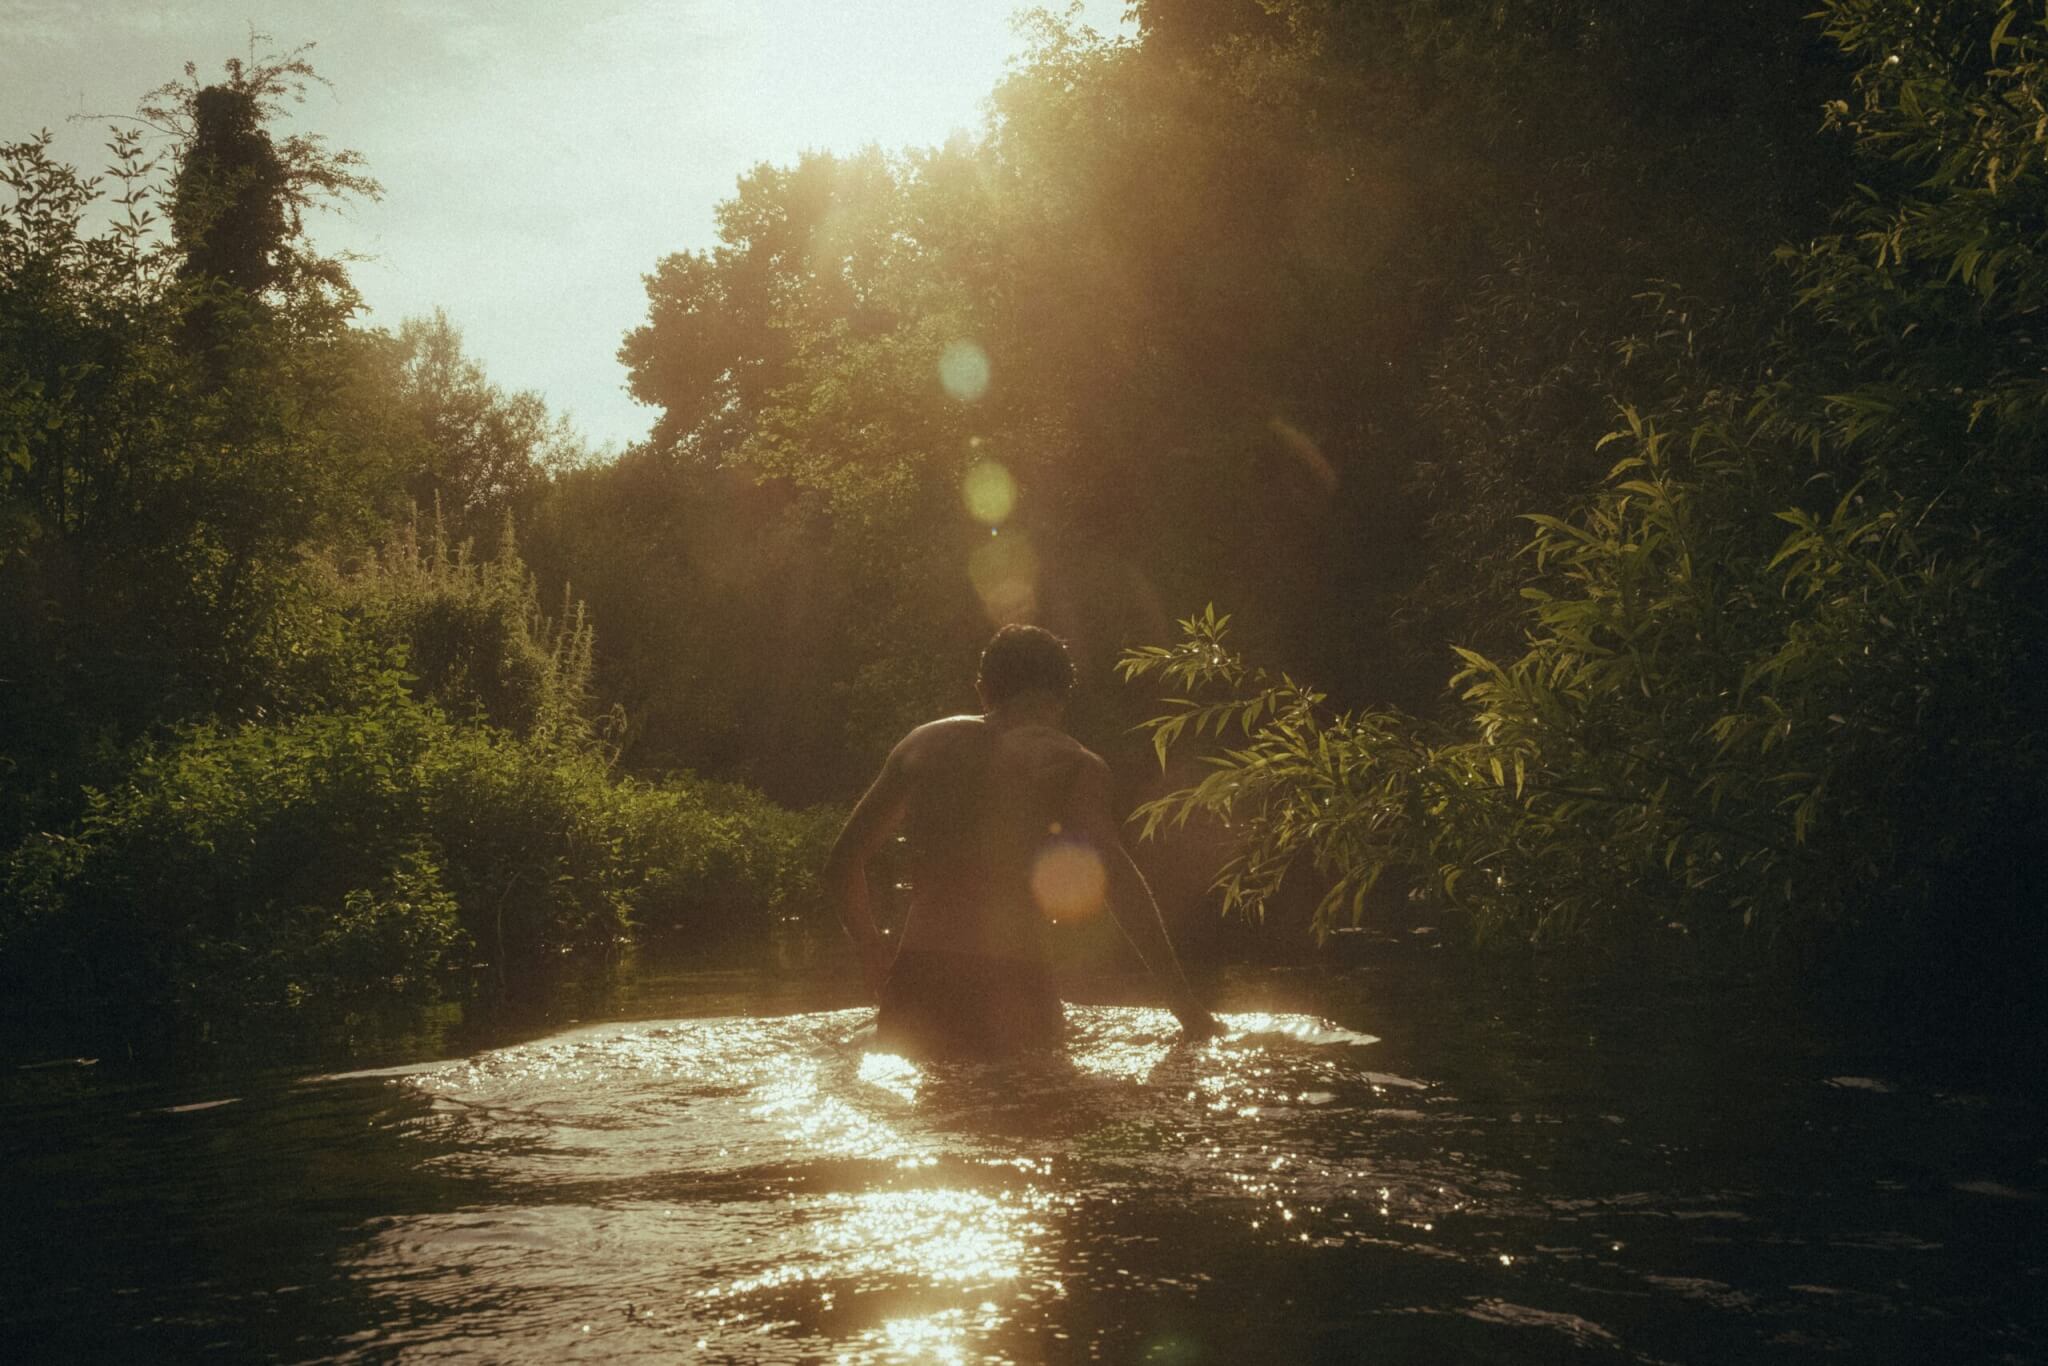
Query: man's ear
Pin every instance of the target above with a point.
(981, 693)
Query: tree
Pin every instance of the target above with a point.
(1803, 602)
(227, 203)
(160, 491)
(272, 756)
(472, 453)
(240, 198)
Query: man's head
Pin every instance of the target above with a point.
(1024, 659)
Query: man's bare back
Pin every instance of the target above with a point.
(1009, 824)
(982, 803)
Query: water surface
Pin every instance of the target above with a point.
(1404, 1163)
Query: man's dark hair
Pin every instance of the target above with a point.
(1023, 659)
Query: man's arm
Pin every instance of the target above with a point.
(1131, 901)
(875, 817)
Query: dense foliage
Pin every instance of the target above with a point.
(269, 754)
(1781, 668)
(1289, 304)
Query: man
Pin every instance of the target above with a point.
(1008, 820)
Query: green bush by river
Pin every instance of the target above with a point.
(421, 833)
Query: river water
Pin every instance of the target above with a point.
(1412, 1161)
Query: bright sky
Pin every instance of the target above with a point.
(538, 156)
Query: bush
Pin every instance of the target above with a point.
(474, 637)
(252, 776)
(1781, 670)
(720, 860)
(255, 875)
(298, 874)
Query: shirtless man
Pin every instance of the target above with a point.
(1009, 822)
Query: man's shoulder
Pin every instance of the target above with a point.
(936, 734)
(947, 725)
(948, 731)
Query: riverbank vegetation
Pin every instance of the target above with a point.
(282, 747)
(1776, 676)
(1622, 419)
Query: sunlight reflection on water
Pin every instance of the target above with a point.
(763, 1188)
(1503, 1179)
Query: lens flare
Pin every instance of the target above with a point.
(963, 371)
(1004, 573)
(989, 492)
(1304, 448)
(1068, 881)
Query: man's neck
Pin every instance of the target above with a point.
(1026, 709)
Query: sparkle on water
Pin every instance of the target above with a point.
(764, 1189)
(1490, 1183)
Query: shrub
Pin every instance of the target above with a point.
(258, 874)
(296, 874)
